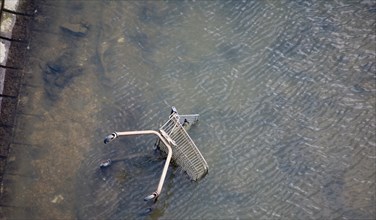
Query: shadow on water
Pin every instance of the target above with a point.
(106, 191)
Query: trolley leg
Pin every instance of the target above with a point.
(165, 141)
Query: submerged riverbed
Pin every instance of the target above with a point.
(285, 92)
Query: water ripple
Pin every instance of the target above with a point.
(285, 97)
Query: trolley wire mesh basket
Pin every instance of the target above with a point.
(185, 152)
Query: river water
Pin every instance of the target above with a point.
(285, 91)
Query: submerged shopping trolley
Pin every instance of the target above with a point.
(174, 140)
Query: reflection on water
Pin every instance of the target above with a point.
(285, 90)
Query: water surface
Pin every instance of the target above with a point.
(285, 91)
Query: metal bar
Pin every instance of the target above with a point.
(191, 141)
(169, 155)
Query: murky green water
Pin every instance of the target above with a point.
(285, 91)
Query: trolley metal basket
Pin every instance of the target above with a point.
(174, 140)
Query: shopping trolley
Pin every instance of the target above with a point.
(174, 140)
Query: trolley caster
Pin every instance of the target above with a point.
(110, 138)
(153, 197)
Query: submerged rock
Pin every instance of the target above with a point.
(59, 73)
(78, 30)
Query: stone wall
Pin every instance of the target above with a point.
(11, 71)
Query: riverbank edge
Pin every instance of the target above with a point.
(14, 72)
